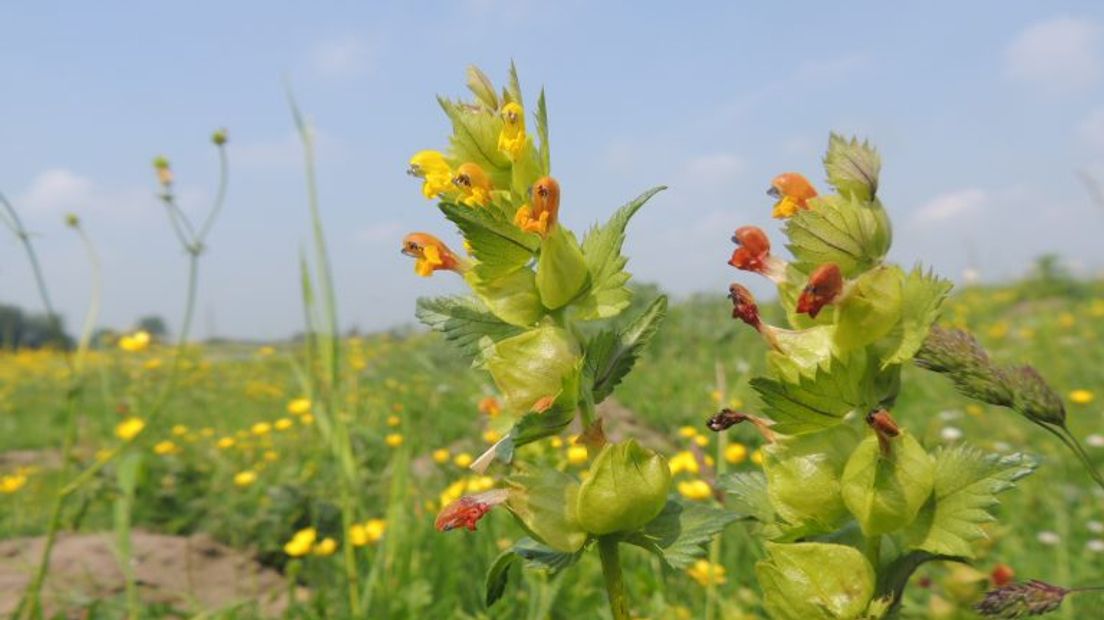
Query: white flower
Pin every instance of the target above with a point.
(1095, 440)
(1096, 527)
(950, 433)
(950, 414)
(1048, 538)
(1095, 545)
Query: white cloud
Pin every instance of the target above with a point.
(1091, 130)
(346, 56)
(381, 232)
(60, 190)
(950, 206)
(712, 170)
(1059, 55)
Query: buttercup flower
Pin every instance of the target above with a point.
(299, 406)
(165, 447)
(462, 460)
(138, 341)
(430, 254)
(129, 428)
(245, 478)
(11, 483)
(474, 185)
(541, 217)
(695, 489)
(282, 424)
(374, 529)
(325, 547)
(357, 536)
(1081, 397)
(511, 140)
(736, 453)
(301, 542)
(577, 455)
(793, 192)
(394, 440)
(706, 573)
(431, 167)
(441, 455)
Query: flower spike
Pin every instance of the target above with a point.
(431, 255)
(468, 510)
(825, 287)
(793, 192)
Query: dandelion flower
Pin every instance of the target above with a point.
(706, 573)
(757, 457)
(179, 430)
(138, 341)
(129, 428)
(306, 419)
(687, 432)
(358, 537)
(683, 462)
(491, 435)
(301, 542)
(701, 440)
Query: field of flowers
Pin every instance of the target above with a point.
(238, 455)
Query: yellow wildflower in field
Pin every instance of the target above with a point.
(165, 448)
(687, 432)
(266, 351)
(556, 441)
(735, 403)
(270, 456)
(245, 478)
(1097, 308)
(374, 529)
(998, 331)
(152, 363)
(757, 457)
(261, 428)
(441, 455)
(462, 460)
(306, 419)
(1081, 397)
(325, 547)
(706, 573)
(453, 492)
(576, 454)
(683, 461)
(974, 409)
(1067, 320)
(511, 140)
(696, 489)
(715, 396)
(491, 435)
(358, 536)
(394, 440)
(179, 430)
(701, 440)
(433, 169)
(10, 483)
(129, 428)
(225, 443)
(736, 453)
(393, 420)
(282, 424)
(301, 542)
(138, 341)
(299, 406)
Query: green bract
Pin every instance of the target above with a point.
(545, 503)
(814, 581)
(561, 270)
(626, 487)
(532, 365)
(886, 491)
(803, 478)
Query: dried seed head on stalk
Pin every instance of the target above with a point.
(1018, 600)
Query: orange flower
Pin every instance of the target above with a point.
(793, 192)
(489, 405)
(430, 254)
(824, 287)
(541, 216)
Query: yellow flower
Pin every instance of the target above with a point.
(1081, 397)
(138, 341)
(706, 573)
(11, 483)
(511, 140)
(374, 529)
(129, 428)
(433, 169)
(102, 455)
(701, 440)
(757, 457)
(153, 363)
(998, 330)
(715, 396)
(225, 443)
(462, 460)
(270, 456)
(325, 547)
(696, 489)
(261, 428)
(245, 478)
(974, 409)
(282, 424)
(179, 430)
(394, 440)
(306, 419)
(474, 185)
(556, 441)
(687, 432)
(1097, 308)
(165, 447)
(576, 454)
(478, 484)
(491, 435)
(358, 537)
(393, 420)
(266, 351)
(736, 453)
(441, 455)
(453, 492)
(430, 254)
(1067, 320)
(301, 542)
(683, 461)
(299, 406)
(541, 216)
(793, 192)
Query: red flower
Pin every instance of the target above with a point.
(468, 510)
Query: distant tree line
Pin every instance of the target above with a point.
(22, 329)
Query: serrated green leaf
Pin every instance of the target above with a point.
(482, 88)
(514, 86)
(609, 356)
(475, 139)
(544, 502)
(852, 167)
(922, 296)
(815, 581)
(837, 229)
(886, 492)
(545, 154)
(498, 245)
(679, 534)
(871, 310)
(608, 294)
(544, 557)
(497, 577)
(512, 297)
(747, 492)
(464, 321)
(815, 403)
(966, 484)
(802, 352)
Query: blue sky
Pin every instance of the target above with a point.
(984, 112)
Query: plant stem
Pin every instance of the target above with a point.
(722, 444)
(611, 571)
